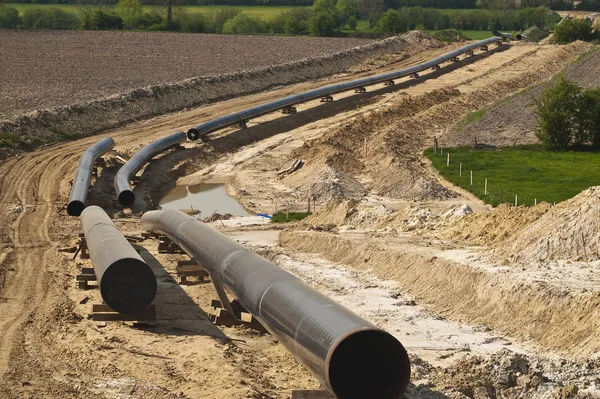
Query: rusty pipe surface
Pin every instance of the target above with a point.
(124, 191)
(83, 178)
(241, 117)
(127, 284)
(352, 357)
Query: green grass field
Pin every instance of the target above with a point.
(264, 12)
(527, 171)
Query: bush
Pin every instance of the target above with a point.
(557, 114)
(221, 16)
(589, 117)
(49, 18)
(244, 24)
(193, 23)
(9, 17)
(293, 22)
(130, 11)
(574, 29)
(100, 20)
(322, 24)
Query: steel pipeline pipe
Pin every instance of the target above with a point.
(239, 117)
(81, 184)
(127, 284)
(126, 173)
(350, 356)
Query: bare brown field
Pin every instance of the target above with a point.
(43, 69)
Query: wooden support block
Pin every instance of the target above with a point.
(311, 394)
(222, 318)
(103, 313)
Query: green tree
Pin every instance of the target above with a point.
(244, 24)
(391, 22)
(574, 29)
(352, 23)
(130, 12)
(589, 117)
(371, 10)
(9, 17)
(347, 8)
(97, 19)
(558, 115)
(322, 24)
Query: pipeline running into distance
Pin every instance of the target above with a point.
(127, 284)
(81, 185)
(353, 358)
(127, 171)
(240, 118)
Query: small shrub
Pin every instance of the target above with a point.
(280, 217)
(574, 29)
(100, 20)
(244, 24)
(49, 18)
(9, 17)
(322, 24)
(221, 16)
(8, 139)
(557, 115)
(194, 23)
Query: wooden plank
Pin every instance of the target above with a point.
(87, 270)
(86, 277)
(189, 262)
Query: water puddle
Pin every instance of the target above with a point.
(206, 198)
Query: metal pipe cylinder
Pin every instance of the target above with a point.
(127, 284)
(81, 185)
(207, 127)
(124, 191)
(352, 357)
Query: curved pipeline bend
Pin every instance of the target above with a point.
(127, 284)
(240, 117)
(353, 358)
(126, 173)
(81, 184)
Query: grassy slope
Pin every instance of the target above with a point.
(528, 171)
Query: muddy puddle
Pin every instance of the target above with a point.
(206, 198)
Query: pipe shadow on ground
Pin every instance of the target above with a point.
(176, 313)
(268, 129)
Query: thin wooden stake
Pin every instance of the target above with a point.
(460, 170)
(448, 160)
(485, 187)
(471, 177)
(535, 201)
(516, 200)
(584, 251)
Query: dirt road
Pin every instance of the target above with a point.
(48, 348)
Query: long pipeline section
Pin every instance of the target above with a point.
(127, 283)
(83, 178)
(124, 191)
(241, 117)
(350, 356)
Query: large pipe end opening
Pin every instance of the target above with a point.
(193, 134)
(128, 286)
(369, 364)
(126, 197)
(74, 208)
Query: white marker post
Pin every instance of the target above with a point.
(485, 187)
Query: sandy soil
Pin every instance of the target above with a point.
(373, 245)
